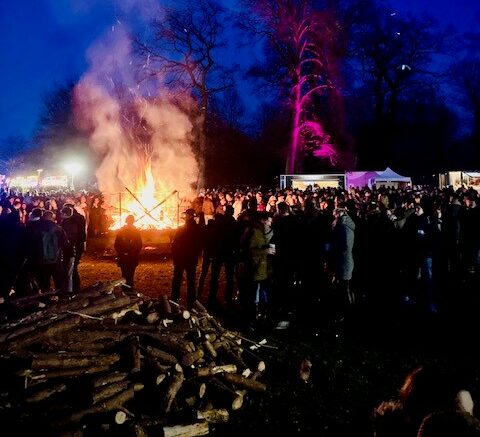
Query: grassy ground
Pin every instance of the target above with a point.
(356, 363)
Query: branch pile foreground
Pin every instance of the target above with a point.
(106, 362)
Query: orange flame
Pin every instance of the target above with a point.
(149, 197)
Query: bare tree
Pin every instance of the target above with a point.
(301, 46)
(465, 76)
(391, 58)
(183, 49)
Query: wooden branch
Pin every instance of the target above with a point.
(136, 355)
(162, 356)
(210, 371)
(69, 361)
(241, 381)
(107, 391)
(109, 379)
(45, 393)
(174, 386)
(220, 415)
(192, 430)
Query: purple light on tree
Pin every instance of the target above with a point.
(303, 40)
(310, 34)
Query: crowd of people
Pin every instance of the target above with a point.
(273, 245)
(43, 237)
(283, 246)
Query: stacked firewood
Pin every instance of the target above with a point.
(106, 362)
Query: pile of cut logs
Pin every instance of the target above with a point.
(106, 362)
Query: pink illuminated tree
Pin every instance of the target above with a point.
(301, 36)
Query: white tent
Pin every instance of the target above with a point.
(390, 178)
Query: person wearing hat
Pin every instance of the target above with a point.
(186, 247)
(128, 245)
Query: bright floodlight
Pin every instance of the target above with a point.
(72, 167)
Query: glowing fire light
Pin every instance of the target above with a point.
(147, 214)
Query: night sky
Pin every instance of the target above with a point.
(43, 44)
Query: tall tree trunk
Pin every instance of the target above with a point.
(294, 155)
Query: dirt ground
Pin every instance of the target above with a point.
(356, 362)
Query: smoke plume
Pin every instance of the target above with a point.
(132, 124)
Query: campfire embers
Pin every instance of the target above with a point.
(104, 359)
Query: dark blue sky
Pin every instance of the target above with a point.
(43, 43)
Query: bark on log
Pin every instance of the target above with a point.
(210, 349)
(84, 336)
(192, 357)
(241, 381)
(218, 415)
(164, 307)
(195, 429)
(69, 361)
(105, 392)
(136, 355)
(109, 379)
(47, 314)
(210, 371)
(174, 386)
(45, 393)
(108, 405)
(171, 343)
(69, 373)
(109, 306)
(162, 356)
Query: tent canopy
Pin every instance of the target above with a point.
(390, 176)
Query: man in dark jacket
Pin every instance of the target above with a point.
(128, 245)
(49, 243)
(186, 248)
(343, 239)
(225, 238)
(79, 244)
(71, 228)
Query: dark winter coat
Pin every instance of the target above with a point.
(187, 244)
(343, 239)
(128, 245)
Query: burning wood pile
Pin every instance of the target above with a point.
(106, 362)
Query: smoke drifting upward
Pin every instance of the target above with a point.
(132, 128)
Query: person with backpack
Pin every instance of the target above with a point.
(49, 243)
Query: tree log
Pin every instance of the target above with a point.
(210, 371)
(219, 415)
(109, 379)
(45, 393)
(68, 361)
(175, 383)
(192, 357)
(171, 343)
(162, 356)
(109, 306)
(105, 392)
(109, 404)
(210, 349)
(136, 355)
(195, 429)
(69, 373)
(164, 307)
(241, 381)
